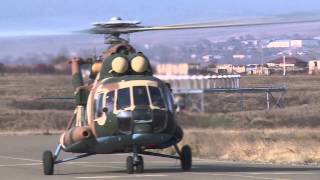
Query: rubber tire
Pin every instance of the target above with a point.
(186, 158)
(130, 165)
(48, 163)
(140, 165)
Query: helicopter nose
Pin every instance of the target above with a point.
(142, 120)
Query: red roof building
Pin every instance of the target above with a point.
(290, 62)
(292, 65)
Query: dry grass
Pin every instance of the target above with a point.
(298, 146)
(27, 86)
(224, 110)
(295, 116)
(17, 120)
(31, 132)
(303, 90)
(18, 109)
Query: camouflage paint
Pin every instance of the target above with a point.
(106, 135)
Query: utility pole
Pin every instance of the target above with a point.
(284, 65)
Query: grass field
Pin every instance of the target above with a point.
(277, 135)
(302, 106)
(281, 145)
(20, 111)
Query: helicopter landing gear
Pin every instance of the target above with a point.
(48, 163)
(135, 165)
(135, 162)
(140, 165)
(130, 165)
(186, 158)
(49, 159)
(184, 155)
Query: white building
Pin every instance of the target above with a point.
(314, 67)
(285, 44)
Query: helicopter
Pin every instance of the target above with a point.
(126, 109)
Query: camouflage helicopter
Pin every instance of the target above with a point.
(125, 109)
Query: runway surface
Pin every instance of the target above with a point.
(20, 158)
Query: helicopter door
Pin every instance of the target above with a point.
(123, 108)
(140, 96)
(110, 102)
(123, 100)
(156, 97)
(159, 109)
(99, 117)
(98, 106)
(142, 114)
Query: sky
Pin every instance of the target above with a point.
(41, 17)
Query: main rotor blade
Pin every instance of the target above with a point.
(216, 24)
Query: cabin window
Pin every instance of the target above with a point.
(140, 96)
(99, 107)
(110, 101)
(169, 98)
(123, 100)
(156, 97)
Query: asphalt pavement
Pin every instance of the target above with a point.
(20, 158)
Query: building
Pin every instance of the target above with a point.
(230, 69)
(62, 66)
(258, 69)
(314, 67)
(291, 64)
(294, 43)
(238, 69)
(285, 44)
(238, 56)
(178, 69)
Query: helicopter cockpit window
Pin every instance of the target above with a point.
(110, 101)
(123, 100)
(156, 97)
(140, 96)
(169, 98)
(99, 107)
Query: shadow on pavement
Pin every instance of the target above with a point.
(210, 168)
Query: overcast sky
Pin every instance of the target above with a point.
(25, 17)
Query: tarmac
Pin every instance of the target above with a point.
(20, 158)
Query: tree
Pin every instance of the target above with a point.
(2, 68)
(59, 59)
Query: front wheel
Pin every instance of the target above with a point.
(48, 163)
(186, 158)
(130, 165)
(140, 165)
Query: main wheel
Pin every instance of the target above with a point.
(48, 163)
(140, 165)
(186, 158)
(130, 165)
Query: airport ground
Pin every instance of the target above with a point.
(20, 158)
